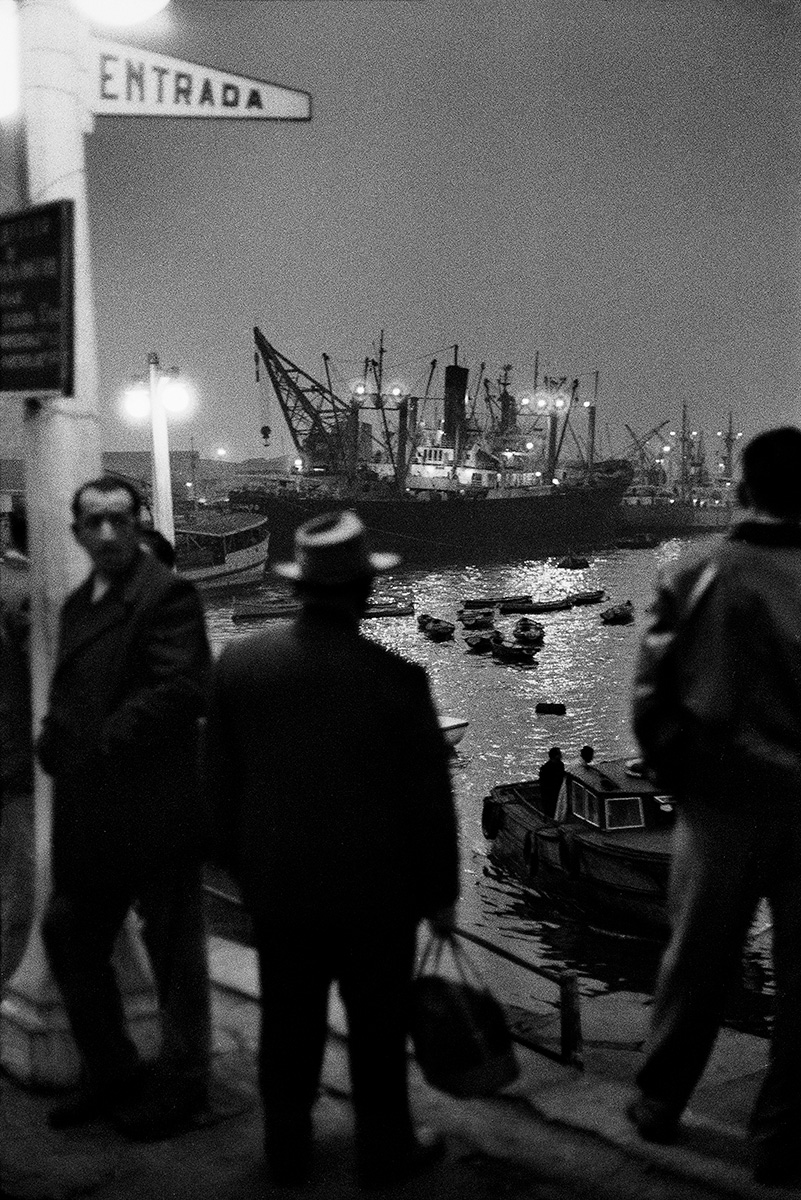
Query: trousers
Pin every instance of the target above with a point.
(373, 970)
(723, 863)
(79, 931)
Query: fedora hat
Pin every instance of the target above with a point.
(331, 550)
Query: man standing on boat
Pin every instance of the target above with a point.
(717, 712)
(329, 776)
(120, 741)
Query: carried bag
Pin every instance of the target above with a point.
(461, 1040)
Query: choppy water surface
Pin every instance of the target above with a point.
(587, 666)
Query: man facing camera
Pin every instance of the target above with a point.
(120, 741)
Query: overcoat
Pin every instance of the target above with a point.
(120, 737)
(329, 778)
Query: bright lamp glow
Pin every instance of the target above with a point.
(175, 395)
(119, 12)
(137, 402)
(221, 452)
(9, 59)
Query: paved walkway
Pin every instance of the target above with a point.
(556, 1132)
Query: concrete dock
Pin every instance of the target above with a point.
(555, 1132)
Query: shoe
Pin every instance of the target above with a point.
(654, 1121)
(163, 1111)
(96, 1104)
(777, 1168)
(425, 1152)
(86, 1107)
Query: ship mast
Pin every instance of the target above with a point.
(729, 442)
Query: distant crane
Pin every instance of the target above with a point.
(641, 457)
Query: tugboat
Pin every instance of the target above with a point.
(607, 848)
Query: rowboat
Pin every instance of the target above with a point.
(454, 728)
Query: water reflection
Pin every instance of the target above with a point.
(587, 666)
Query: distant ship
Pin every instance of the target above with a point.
(653, 508)
(447, 488)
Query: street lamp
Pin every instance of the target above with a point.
(164, 392)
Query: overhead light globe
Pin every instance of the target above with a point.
(176, 395)
(136, 402)
(119, 12)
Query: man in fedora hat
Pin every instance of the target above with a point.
(328, 775)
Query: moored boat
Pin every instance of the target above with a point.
(608, 851)
(218, 548)
(454, 728)
(269, 610)
(591, 596)
(618, 614)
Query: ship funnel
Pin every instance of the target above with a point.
(455, 402)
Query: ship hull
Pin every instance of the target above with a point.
(460, 528)
(673, 520)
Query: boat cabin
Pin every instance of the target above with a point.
(611, 797)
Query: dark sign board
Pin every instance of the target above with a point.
(36, 280)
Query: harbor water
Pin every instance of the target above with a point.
(585, 665)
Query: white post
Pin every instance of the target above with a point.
(162, 480)
(62, 451)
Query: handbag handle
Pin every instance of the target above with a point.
(466, 969)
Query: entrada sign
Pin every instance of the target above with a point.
(36, 301)
(128, 82)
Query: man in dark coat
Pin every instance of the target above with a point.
(120, 741)
(717, 713)
(329, 776)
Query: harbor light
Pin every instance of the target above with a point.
(221, 452)
(298, 464)
(9, 59)
(529, 445)
(136, 401)
(119, 12)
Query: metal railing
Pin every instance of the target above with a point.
(571, 1046)
(571, 1049)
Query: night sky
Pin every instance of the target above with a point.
(614, 185)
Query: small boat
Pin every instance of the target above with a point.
(543, 606)
(494, 601)
(517, 655)
(510, 607)
(573, 562)
(528, 633)
(424, 620)
(215, 548)
(269, 610)
(618, 614)
(589, 597)
(454, 729)
(610, 851)
(437, 630)
(553, 708)
(482, 642)
(478, 618)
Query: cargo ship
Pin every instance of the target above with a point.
(436, 479)
(694, 503)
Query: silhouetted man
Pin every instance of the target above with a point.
(717, 712)
(329, 775)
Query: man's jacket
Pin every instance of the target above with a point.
(120, 735)
(717, 688)
(329, 776)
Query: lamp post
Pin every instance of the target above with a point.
(162, 483)
(164, 392)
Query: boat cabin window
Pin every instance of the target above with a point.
(585, 804)
(624, 812)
